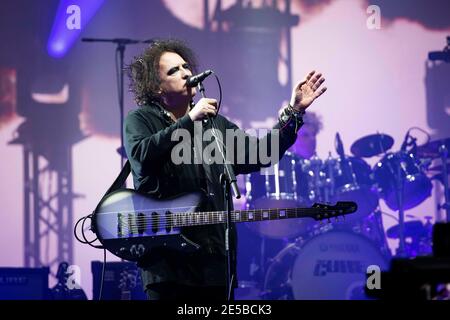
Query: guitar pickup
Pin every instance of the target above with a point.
(169, 220)
(155, 222)
(141, 223)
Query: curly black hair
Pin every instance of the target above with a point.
(143, 72)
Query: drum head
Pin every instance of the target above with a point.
(333, 266)
(279, 229)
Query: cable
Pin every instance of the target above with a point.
(103, 276)
(428, 137)
(220, 92)
(85, 240)
(119, 81)
(389, 215)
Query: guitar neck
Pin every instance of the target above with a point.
(255, 215)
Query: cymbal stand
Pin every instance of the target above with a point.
(401, 213)
(444, 155)
(399, 183)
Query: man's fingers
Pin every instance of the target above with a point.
(211, 101)
(210, 109)
(309, 76)
(314, 79)
(318, 84)
(320, 92)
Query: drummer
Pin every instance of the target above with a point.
(305, 145)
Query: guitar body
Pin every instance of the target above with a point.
(121, 223)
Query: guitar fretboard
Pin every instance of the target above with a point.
(217, 217)
(138, 223)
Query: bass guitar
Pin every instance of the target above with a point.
(130, 224)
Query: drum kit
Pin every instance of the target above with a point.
(329, 261)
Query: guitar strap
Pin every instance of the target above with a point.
(121, 178)
(116, 185)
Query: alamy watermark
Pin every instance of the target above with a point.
(373, 277)
(253, 146)
(73, 274)
(73, 21)
(373, 22)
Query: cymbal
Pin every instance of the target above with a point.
(372, 145)
(431, 149)
(411, 229)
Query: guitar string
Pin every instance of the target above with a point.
(215, 214)
(192, 221)
(134, 229)
(200, 217)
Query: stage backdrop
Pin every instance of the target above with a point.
(377, 74)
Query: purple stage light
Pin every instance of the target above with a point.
(71, 17)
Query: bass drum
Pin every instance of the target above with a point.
(330, 266)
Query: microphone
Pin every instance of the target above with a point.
(339, 145)
(195, 80)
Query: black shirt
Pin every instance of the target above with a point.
(149, 144)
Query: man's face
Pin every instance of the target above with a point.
(305, 145)
(173, 72)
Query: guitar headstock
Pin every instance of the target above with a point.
(341, 208)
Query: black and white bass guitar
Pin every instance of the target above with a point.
(130, 224)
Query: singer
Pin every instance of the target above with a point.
(163, 87)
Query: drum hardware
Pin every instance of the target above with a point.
(329, 185)
(315, 176)
(402, 183)
(432, 149)
(418, 234)
(440, 149)
(412, 229)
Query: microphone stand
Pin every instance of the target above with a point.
(120, 49)
(228, 182)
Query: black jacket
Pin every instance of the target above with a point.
(148, 143)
